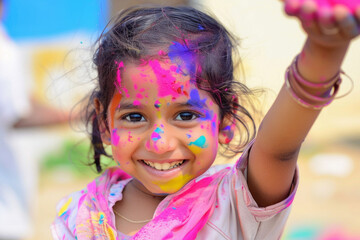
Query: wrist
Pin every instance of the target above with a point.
(323, 50)
(318, 62)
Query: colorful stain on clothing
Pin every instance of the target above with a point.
(155, 136)
(114, 137)
(100, 222)
(64, 208)
(174, 184)
(197, 145)
(101, 218)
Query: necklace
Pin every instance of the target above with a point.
(129, 220)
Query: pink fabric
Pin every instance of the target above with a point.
(186, 212)
(181, 216)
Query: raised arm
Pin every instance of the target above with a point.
(272, 160)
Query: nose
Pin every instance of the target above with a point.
(160, 141)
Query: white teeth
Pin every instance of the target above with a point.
(158, 166)
(164, 166)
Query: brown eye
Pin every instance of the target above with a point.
(134, 117)
(186, 116)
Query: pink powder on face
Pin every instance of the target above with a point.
(139, 96)
(136, 103)
(166, 82)
(115, 137)
(129, 137)
(118, 73)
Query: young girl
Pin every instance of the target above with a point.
(166, 98)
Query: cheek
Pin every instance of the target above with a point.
(205, 137)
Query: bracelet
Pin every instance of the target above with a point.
(314, 102)
(322, 85)
(296, 86)
(328, 96)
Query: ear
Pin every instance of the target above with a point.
(228, 125)
(104, 132)
(227, 130)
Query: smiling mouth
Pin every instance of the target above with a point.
(163, 166)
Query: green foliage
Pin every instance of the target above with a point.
(72, 156)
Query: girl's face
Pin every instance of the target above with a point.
(163, 129)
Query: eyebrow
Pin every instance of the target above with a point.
(188, 104)
(130, 105)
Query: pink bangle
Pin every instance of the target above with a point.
(323, 85)
(315, 98)
(305, 99)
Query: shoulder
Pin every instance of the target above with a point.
(79, 206)
(63, 226)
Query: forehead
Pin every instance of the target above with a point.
(164, 76)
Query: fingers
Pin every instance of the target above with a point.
(307, 15)
(326, 22)
(337, 21)
(292, 7)
(346, 21)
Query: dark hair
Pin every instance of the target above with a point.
(141, 32)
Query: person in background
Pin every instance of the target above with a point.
(17, 110)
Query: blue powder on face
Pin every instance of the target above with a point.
(182, 57)
(155, 136)
(195, 99)
(200, 142)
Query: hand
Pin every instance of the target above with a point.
(331, 26)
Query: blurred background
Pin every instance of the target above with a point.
(55, 41)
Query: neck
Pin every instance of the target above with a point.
(140, 188)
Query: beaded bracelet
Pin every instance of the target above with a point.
(295, 84)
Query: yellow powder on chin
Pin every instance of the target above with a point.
(174, 184)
